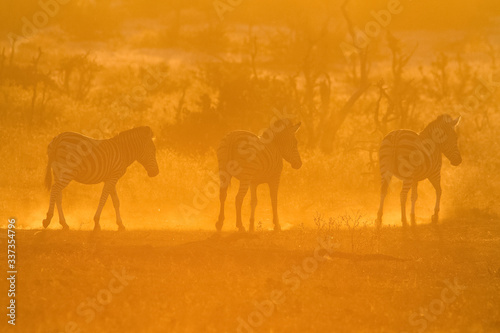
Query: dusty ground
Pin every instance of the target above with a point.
(179, 281)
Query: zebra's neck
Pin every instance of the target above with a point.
(431, 138)
(273, 147)
(129, 145)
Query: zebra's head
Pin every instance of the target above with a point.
(147, 156)
(287, 143)
(448, 139)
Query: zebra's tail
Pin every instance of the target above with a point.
(48, 170)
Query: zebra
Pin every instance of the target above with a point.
(413, 157)
(73, 156)
(254, 160)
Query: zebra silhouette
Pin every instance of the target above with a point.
(73, 156)
(413, 157)
(254, 160)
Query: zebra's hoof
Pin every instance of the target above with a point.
(46, 223)
(434, 218)
(65, 227)
(218, 226)
(97, 228)
(121, 227)
(251, 229)
(241, 228)
(277, 227)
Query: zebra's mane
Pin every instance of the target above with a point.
(142, 131)
(280, 122)
(440, 120)
(440, 129)
(446, 118)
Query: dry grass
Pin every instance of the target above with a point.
(193, 282)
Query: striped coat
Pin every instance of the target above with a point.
(73, 156)
(254, 160)
(413, 157)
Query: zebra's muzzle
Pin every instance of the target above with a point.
(297, 165)
(153, 173)
(456, 161)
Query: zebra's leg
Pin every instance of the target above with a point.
(385, 180)
(62, 220)
(253, 204)
(407, 184)
(239, 202)
(108, 186)
(224, 184)
(55, 193)
(273, 190)
(414, 197)
(436, 182)
(116, 204)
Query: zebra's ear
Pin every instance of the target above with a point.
(455, 122)
(295, 127)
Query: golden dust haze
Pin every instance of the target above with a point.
(184, 74)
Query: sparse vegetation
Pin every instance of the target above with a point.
(189, 281)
